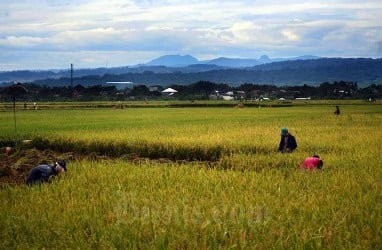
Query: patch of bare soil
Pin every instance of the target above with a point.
(16, 164)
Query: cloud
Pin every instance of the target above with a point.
(290, 35)
(150, 28)
(22, 42)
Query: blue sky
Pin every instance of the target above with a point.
(51, 34)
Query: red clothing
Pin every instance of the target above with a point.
(311, 163)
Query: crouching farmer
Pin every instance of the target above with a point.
(288, 142)
(43, 173)
(312, 163)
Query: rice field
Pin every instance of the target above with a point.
(205, 178)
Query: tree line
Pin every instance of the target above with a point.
(201, 90)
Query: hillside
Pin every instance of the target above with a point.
(364, 71)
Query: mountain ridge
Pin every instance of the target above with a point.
(187, 60)
(364, 71)
(162, 64)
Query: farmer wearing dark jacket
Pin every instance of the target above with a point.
(288, 142)
(44, 172)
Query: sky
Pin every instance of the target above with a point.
(52, 34)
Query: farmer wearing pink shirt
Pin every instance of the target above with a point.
(312, 163)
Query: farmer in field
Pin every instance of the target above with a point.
(288, 142)
(43, 173)
(312, 163)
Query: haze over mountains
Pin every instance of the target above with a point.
(180, 61)
(186, 60)
(186, 69)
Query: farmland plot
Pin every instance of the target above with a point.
(198, 178)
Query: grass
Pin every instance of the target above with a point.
(251, 197)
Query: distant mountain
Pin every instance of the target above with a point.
(296, 71)
(163, 64)
(363, 71)
(306, 57)
(182, 61)
(25, 75)
(173, 61)
(233, 62)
